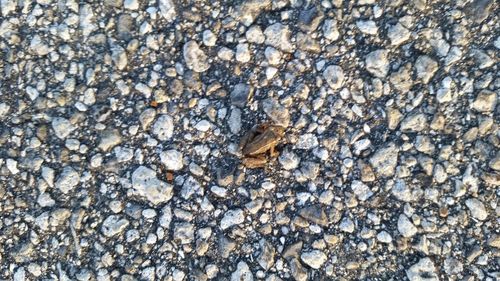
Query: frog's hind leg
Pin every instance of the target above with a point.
(254, 162)
(273, 152)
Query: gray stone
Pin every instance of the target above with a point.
(377, 63)
(113, 225)
(315, 258)
(231, 218)
(334, 76)
(424, 270)
(477, 209)
(195, 58)
(240, 94)
(242, 272)
(310, 19)
(289, 160)
(67, 180)
(249, 10)
(119, 57)
(184, 232)
(267, 254)
(109, 139)
(425, 68)
(485, 101)
(276, 112)
(347, 225)
(314, 214)
(398, 34)
(234, 121)
(298, 271)
(163, 128)
(278, 36)
(146, 185)
(385, 159)
(406, 227)
(330, 30)
(62, 127)
(172, 159)
(367, 27)
(167, 9)
(414, 122)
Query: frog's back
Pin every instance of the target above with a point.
(262, 143)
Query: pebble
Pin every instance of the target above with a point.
(307, 141)
(289, 160)
(330, 30)
(209, 38)
(347, 225)
(361, 190)
(334, 76)
(278, 36)
(109, 139)
(242, 272)
(243, 53)
(163, 128)
(234, 121)
(406, 227)
(385, 160)
(367, 27)
(276, 112)
(377, 63)
(145, 184)
(384, 237)
(62, 127)
(398, 34)
(477, 209)
(67, 180)
(424, 270)
(167, 10)
(231, 218)
(195, 58)
(425, 68)
(114, 225)
(172, 159)
(267, 255)
(240, 94)
(255, 35)
(485, 101)
(315, 258)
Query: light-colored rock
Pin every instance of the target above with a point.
(314, 258)
(113, 225)
(424, 270)
(385, 159)
(477, 209)
(334, 76)
(242, 272)
(172, 159)
(109, 139)
(209, 38)
(243, 53)
(414, 122)
(67, 180)
(276, 112)
(167, 10)
(398, 34)
(62, 127)
(255, 35)
(195, 58)
(145, 184)
(278, 36)
(425, 68)
(406, 227)
(377, 63)
(232, 217)
(163, 128)
(485, 101)
(367, 27)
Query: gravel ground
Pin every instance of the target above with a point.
(120, 122)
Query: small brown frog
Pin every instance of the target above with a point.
(259, 140)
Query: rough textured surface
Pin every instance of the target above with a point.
(120, 124)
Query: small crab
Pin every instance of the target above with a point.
(258, 141)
